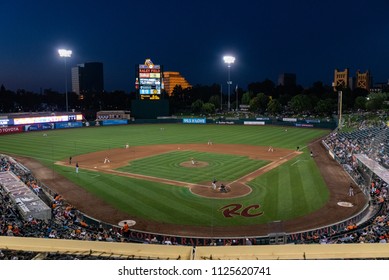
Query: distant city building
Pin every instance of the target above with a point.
(380, 87)
(88, 77)
(341, 79)
(351, 82)
(173, 79)
(287, 79)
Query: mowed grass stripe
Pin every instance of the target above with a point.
(299, 201)
(315, 188)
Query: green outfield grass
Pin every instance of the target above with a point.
(292, 190)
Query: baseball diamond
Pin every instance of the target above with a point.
(166, 185)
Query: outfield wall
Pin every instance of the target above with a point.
(303, 123)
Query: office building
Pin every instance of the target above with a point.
(173, 79)
(287, 79)
(88, 78)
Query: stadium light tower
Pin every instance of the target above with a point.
(228, 59)
(65, 54)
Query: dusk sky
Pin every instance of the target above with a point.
(308, 37)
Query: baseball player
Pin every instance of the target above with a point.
(214, 185)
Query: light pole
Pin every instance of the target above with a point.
(229, 60)
(236, 93)
(340, 95)
(221, 97)
(65, 53)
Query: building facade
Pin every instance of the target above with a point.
(341, 79)
(287, 79)
(363, 80)
(173, 79)
(88, 78)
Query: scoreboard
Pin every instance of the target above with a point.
(149, 80)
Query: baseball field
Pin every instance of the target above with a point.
(163, 179)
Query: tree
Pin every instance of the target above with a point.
(360, 103)
(259, 103)
(263, 101)
(254, 104)
(300, 103)
(274, 106)
(247, 97)
(215, 100)
(197, 106)
(208, 108)
(326, 106)
(376, 101)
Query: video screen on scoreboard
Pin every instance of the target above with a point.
(47, 119)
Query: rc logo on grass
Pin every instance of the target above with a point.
(235, 209)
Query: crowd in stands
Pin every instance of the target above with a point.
(66, 221)
(372, 141)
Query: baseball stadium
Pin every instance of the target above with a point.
(195, 182)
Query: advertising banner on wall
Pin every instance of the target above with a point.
(114, 122)
(68, 125)
(194, 120)
(253, 123)
(38, 126)
(11, 129)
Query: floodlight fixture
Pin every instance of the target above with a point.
(64, 53)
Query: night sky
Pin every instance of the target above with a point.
(308, 37)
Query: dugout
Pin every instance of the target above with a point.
(26, 201)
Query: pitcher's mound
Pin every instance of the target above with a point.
(196, 164)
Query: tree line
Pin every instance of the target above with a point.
(260, 97)
(267, 98)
